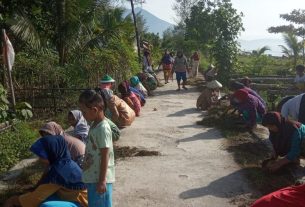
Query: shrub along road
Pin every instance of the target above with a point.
(193, 169)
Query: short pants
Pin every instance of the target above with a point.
(181, 75)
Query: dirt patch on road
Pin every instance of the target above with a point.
(126, 151)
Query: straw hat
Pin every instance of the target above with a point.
(214, 84)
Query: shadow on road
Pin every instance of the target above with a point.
(171, 91)
(184, 112)
(209, 134)
(226, 187)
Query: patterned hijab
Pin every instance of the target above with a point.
(280, 140)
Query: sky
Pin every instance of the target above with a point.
(259, 15)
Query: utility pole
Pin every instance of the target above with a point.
(136, 30)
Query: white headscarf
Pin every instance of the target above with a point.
(81, 129)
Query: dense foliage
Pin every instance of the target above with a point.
(15, 145)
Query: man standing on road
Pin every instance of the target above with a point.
(180, 68)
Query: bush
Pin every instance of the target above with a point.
(14, 145)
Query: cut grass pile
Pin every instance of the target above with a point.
(248, 151)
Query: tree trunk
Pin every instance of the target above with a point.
(136, 30)
(60, 5)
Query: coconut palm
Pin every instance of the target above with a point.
(292, 48)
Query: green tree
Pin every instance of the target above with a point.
(297, 18)
(215, 27)
(292, 48)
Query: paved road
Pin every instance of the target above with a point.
(193, 169)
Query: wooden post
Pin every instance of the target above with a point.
(8, 70)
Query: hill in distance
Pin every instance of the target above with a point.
(153, 23)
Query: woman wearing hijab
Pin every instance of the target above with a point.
(235, 85)
(118, 110)
(79, 123)
(287, 138)
(135, 83)
(249, 106)
(75, 146)
(129, 97)
(62, 184)
(209, 96)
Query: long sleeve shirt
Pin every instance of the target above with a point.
(252, 107)
(296, 144)
(292, 107)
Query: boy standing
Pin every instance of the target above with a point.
(98, 168)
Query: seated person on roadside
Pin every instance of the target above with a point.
(107, 82)
(287, 138)
(61, 185)
(211, 73)
(149, 81)
(118, 110)
(79, 124)
(129, 97)
(75, 146)
(246, 81)
(136, 83)
(209, 96)
(249, 106)
(299, 79)
(293, 196)
(294, 108)
(235, 85)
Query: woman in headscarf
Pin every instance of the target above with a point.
(235, 85)
(129, 97)
(136, 83)
(149, 81)
(118, 110)
(79, 123)
(75, 146)
(287, 138)
(209, 96)
(249, 106)
(62, 184)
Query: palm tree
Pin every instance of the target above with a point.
(292, 48)
(260, 51)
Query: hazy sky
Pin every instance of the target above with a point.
(258, 14)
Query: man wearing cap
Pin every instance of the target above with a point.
(209, 96)
(107, 82)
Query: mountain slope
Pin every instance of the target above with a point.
(153, 23)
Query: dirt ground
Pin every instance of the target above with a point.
(193, 168)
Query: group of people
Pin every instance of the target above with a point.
(179, 64)
(80, 163)
(286, 129)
